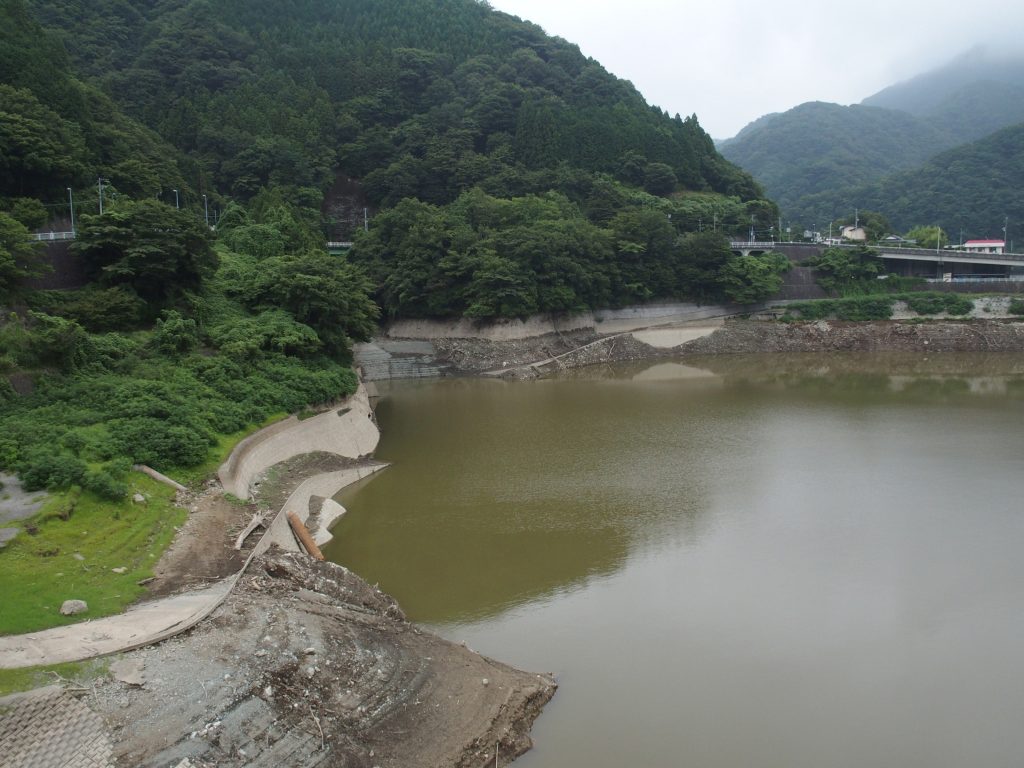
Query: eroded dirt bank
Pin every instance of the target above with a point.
(305, 664)
(525, 358)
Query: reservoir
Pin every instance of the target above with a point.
(791, 561)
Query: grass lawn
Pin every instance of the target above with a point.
(73, 559)
(81, 672)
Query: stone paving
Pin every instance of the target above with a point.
(49, 728)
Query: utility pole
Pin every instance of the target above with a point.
(99, 185)
(206, 210)
(715, 222)
(751, 227)
(71, 202)
(177, 204)
(366, 220)
(1006, 224)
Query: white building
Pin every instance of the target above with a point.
(985, 246)
(854, 233)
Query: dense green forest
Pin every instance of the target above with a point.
(818, 147)
(974, 188)
(504, 173)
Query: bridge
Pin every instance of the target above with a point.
(946, 256)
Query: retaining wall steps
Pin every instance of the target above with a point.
(397, 360)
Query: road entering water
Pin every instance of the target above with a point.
(736, 561)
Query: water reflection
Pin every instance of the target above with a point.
(503, 493)
(778, 560)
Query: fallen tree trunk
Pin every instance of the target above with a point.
(304, 537)
(159, 477)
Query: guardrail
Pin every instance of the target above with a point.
(53, 235)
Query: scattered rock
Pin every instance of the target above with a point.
(138, 498)
(74, 607)
(128, 671)
(78, 556)
(122, 569)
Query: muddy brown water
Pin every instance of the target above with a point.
(742, 561)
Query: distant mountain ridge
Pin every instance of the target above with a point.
(817, 146)
(818, 152)
(926, 93)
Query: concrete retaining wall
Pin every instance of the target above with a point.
(350, 433)
(601, 321)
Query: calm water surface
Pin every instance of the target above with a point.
(743, 561)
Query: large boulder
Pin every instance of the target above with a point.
(74, 607)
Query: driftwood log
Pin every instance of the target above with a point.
(302, 534)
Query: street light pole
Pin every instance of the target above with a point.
(71, 202)
(176, 203)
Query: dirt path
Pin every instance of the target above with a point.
(203, 550)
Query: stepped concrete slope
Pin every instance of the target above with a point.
(386, 359)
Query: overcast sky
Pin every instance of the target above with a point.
(731, 61)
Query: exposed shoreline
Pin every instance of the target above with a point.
(530, 358)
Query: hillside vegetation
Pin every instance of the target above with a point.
(975, 187)
(818, 147)
(505, 172)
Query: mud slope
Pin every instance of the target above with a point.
(307, 665)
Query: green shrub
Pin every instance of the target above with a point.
(1016, 307)
(96, 309)
(866, 308)
(175, 334)
(935, 303)
(859, 308)
(46, 468)
(105, 485)
(958, 305)
(927, 303)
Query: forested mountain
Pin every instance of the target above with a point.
(818, 152)
(421, 99)
(430, 96)
(505, 174)
(974, 187)
(817, 147)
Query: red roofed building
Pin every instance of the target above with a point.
(985, 246)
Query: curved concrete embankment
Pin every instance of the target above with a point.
(346, 430)
(324, 486)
